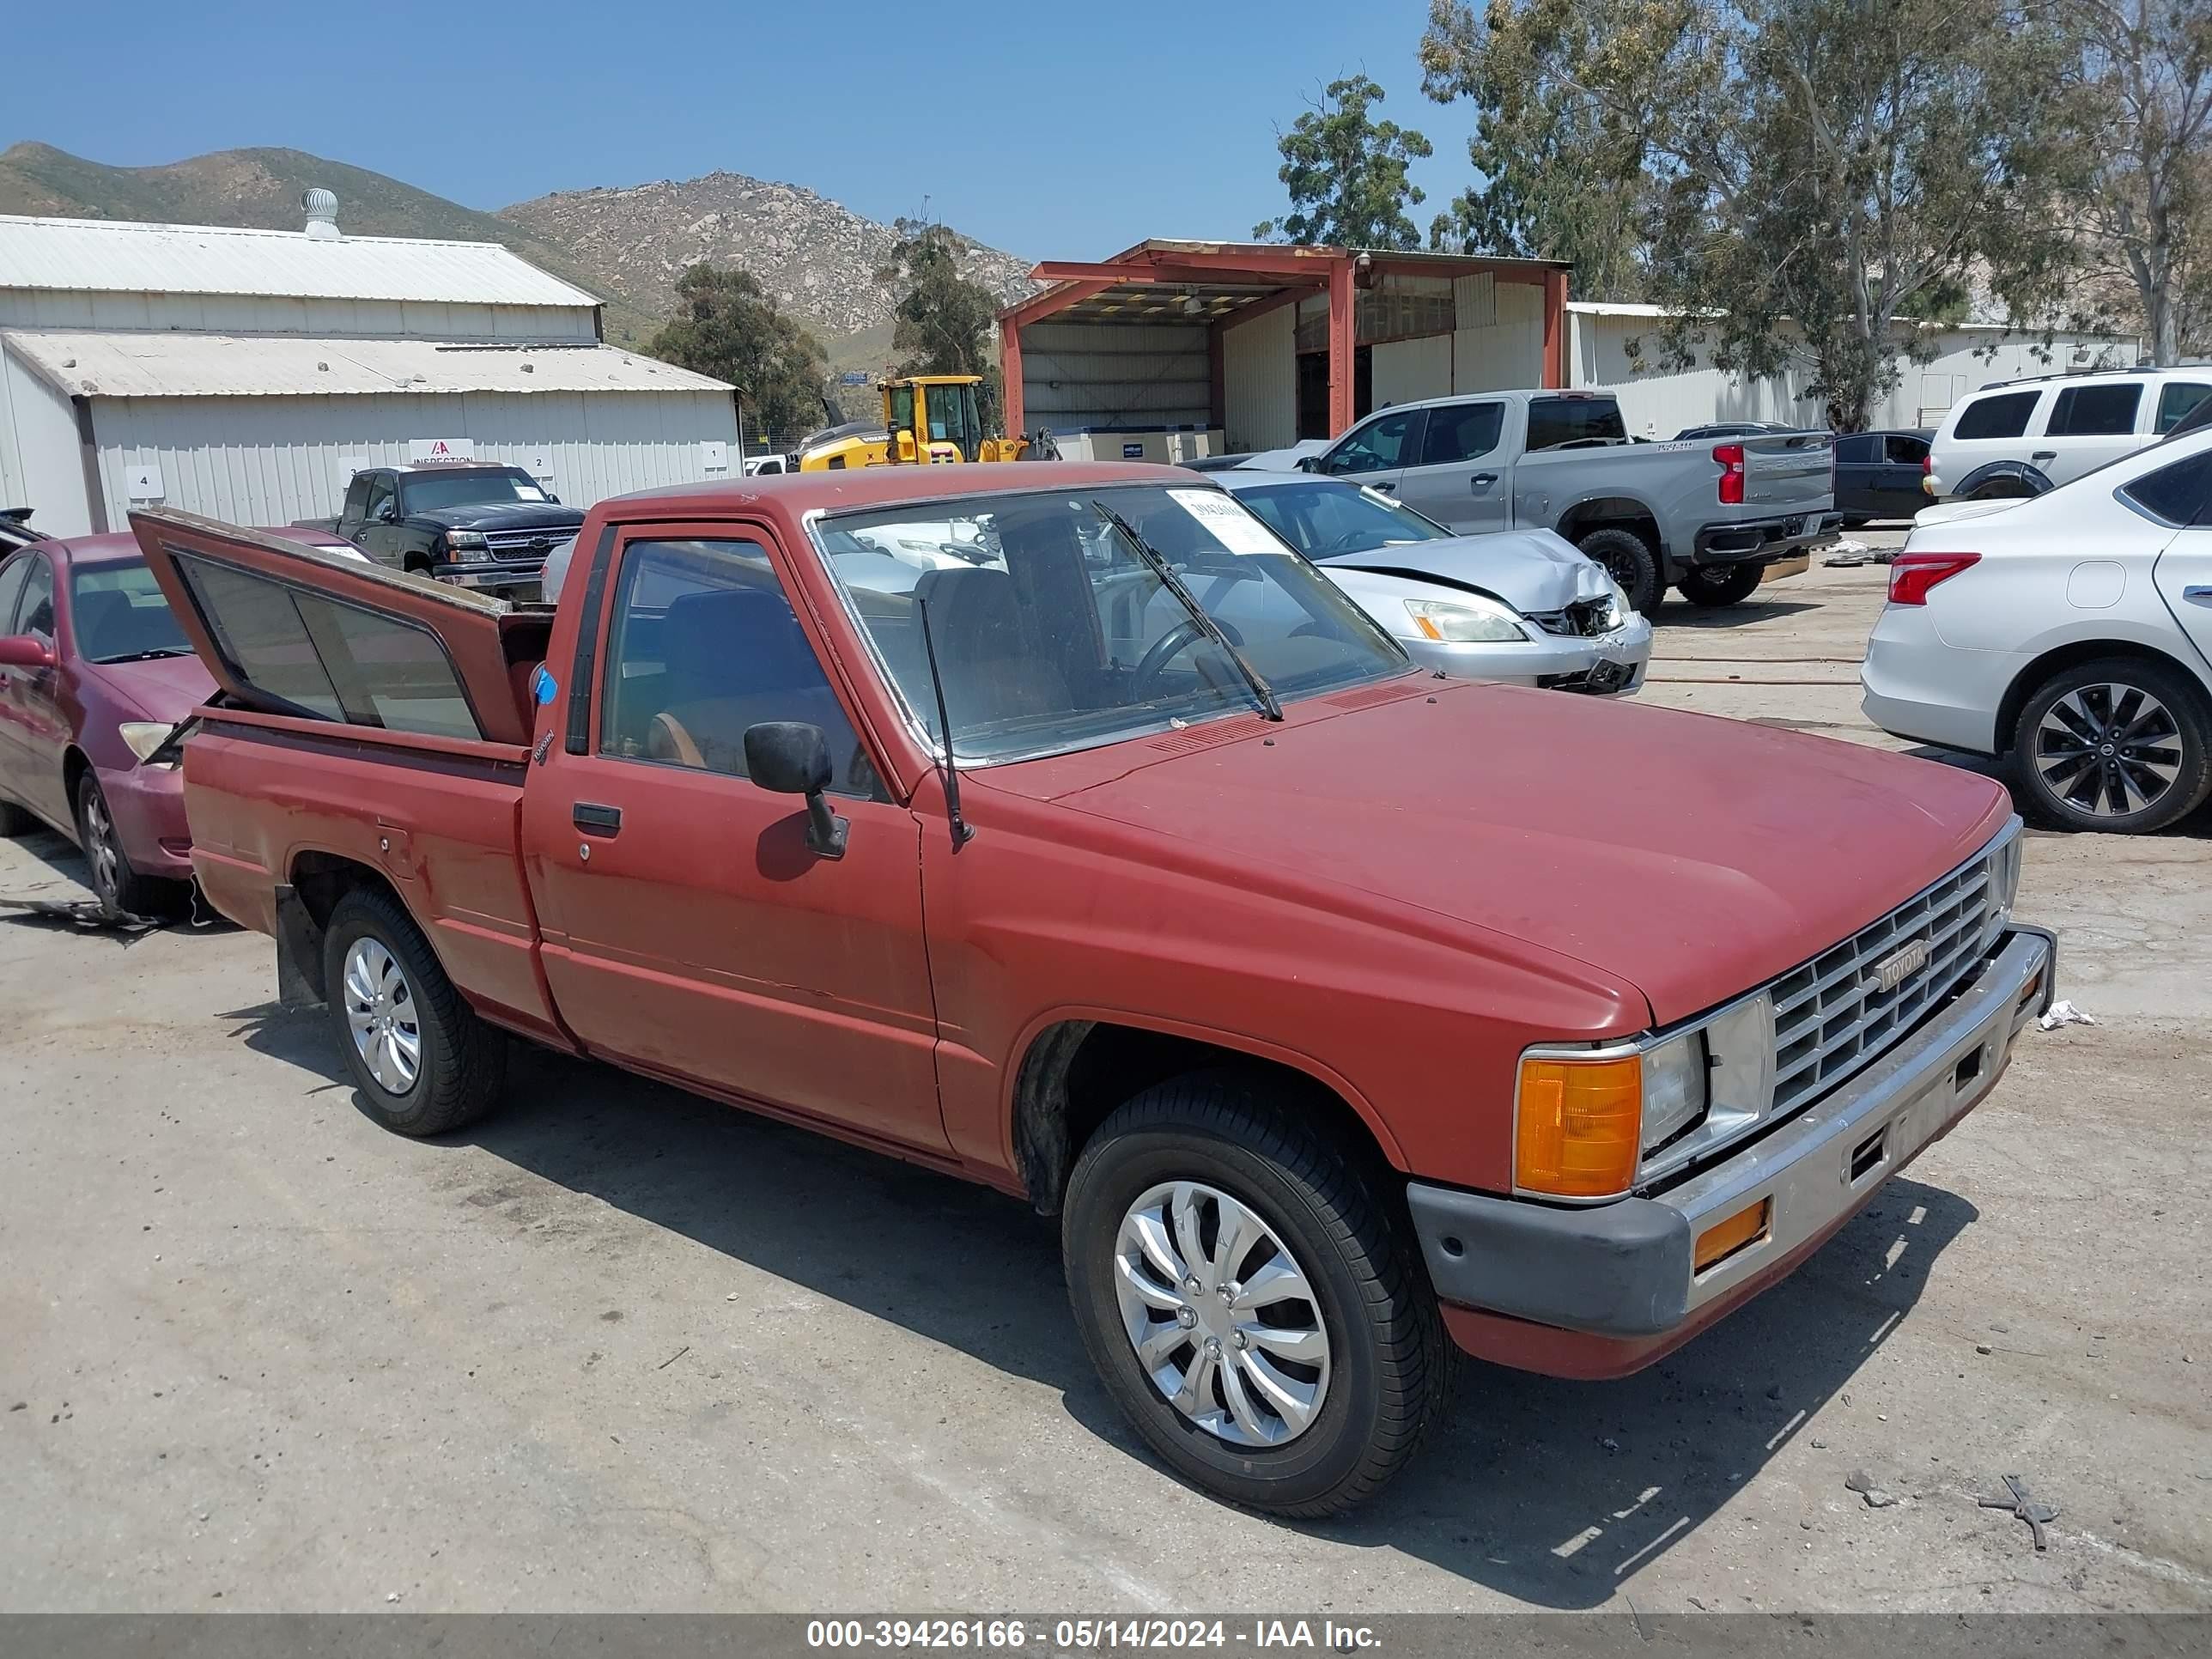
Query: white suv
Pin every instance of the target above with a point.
(2019, 438)
(2071, 634)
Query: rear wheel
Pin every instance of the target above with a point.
(422, 1059)
(1250, 1299)
(1713, 585)
(121, 890)
(1631, 561)
(2119, 744)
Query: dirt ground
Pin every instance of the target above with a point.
(618, 1348)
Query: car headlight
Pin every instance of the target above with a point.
(1584, 1122)
(144, 739)
(1673, 1088)
(466, 546)
(1471, 621)
(1619, 609)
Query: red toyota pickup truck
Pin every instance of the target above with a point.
(1342, 1012)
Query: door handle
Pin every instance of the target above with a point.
(1482, 481)
(2197, 595)
(1384, 484)
(2043, 455)
(596, 820)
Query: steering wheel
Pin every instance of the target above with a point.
(1169, 645)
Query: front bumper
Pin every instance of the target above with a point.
(1608, 664)
(1764, 538)
(147, 804)
(510, 579)
(1621, 1277)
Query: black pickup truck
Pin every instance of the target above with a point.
(486, 527)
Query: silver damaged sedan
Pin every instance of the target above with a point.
(1523, 606)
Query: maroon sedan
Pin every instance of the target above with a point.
(94, 673)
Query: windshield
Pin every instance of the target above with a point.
(120, 616)
(1328, 521)
(952, 417)
(435, 492)
(1053, 634)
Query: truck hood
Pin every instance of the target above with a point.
(1694, 857)
(1531, 570)
(508, 515)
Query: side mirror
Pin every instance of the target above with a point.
(387, 513)
(26, 651)
(1309, 463)
(791, 757)
(903, 446)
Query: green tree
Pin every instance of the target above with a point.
(1812, 179)
(944, 323)
(1346, 173)
(2142, 201)
(727, 327)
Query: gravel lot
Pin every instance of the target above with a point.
(621, 1349)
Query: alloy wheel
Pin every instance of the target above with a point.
(101, 851)
(2108, 749)
(1222, 1318)
(379, 1007)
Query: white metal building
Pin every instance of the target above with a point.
(1658, 403)
(247, 374)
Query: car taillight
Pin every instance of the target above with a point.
(1730, 456)
(1914, 574)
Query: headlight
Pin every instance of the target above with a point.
(144, 737)
(1673, 1088)
(1470, 621)
(1620, 608)
(466, 546)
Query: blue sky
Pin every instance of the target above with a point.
(1056, 131)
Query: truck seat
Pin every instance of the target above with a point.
(992, 668)
(736, 657)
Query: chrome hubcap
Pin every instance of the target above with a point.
(1222, 1316)
(380, 1006)
(100, 847)
(2109, 751)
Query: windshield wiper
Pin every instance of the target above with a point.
(158, 652)
(1261, 691)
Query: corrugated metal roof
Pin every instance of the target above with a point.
(87, 364)
(117, 257)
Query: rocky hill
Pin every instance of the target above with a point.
(819, 259)
(626, 245)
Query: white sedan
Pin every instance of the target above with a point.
(2071, 633)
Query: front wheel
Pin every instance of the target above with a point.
(1631, 561)
(2120, 744)
(1249, 1300)
(422, 1059)
(121, 890)
(1715, 585)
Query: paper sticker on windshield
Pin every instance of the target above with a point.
(524, 492)
(1227, 522)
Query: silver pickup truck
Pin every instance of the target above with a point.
(1706, 517)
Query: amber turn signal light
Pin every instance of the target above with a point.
(1724, 1238)
(1579, 1128)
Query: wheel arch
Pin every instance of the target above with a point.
(2060, 658)
(74, 764)
(2032, 478)
(1614, 513)
(1076, 1069)
(315, 881)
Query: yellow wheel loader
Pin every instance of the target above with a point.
(928, 419)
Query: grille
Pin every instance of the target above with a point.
(1584, 618)
(1833, 1015)
(516, 543)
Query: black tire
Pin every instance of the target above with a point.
(2070, 799)
(1389, 1361)
(121, 890)
(1857, 524)
(460, 1061)
(1714, 586)
(1630, 560)
(2002, 489)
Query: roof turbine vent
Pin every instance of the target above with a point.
(322, 210)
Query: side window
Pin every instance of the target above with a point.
(356, 499)
(1460, 432)
(327, 658)
(381, 494)
(1556, 421)
(1380, 445)
(1903, 449)
(2179, 494)
(1854, 449)
(34, 612)
(2004, 415)
(703, 644)
(2094, 411)
(13, 575)
(2175, 402)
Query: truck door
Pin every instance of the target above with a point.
(2089, 426)
(2181, 496)
(688, 928)
(1377, 450)
(378, 534)
(1458, 476)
